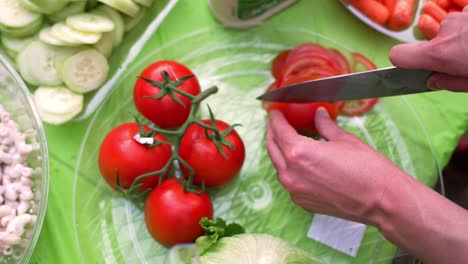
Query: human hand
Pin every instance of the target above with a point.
(446, 54)
(343, 176)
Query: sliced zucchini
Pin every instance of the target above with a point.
(85, 71)
(89, 22)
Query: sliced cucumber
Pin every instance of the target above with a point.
(71, 9)
(50, 6)
(90, 4)
(119, 26)
(131, 22)
(37, 61)
(89, 22)
(85, 71)
(57, 100)
(26, 4)
(105, 44)
(15, 17)
(65, 33)
(47, 37)
(125, 6)
(16, 45)
(63, 54)
(57, 105)
(23, 31)
(146, 3)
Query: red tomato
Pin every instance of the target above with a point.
(165, 112)
(172, 215)
(345, 67)
(301, 116)
(121, 153)
(203, 156)
(361, 63)
(358, 107)
(278, 63)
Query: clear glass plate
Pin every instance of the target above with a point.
(15, 98)
(111, 229)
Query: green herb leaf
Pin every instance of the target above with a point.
(214, 231)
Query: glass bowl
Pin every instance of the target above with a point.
(110, 229)
(16, 99)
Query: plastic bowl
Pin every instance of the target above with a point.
(16, 99)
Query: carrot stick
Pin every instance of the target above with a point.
(461, 3)
(434, 11)
(374, 10)
(402, 15)
(390, 4)
(428, 26)
(444, 4)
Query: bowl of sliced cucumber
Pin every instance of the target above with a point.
(24, 168)
(69, 52)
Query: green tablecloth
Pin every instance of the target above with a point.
(447, 120)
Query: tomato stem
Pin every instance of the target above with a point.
(178, 133)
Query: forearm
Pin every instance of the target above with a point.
(424, 223)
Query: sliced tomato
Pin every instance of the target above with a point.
(308, 65)
(278, 63)
(358, 107)
(313, 50)
(272, 86)
(340, 105)
(345, 67)
(361, 63)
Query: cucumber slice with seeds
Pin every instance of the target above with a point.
(89, 22)
(57, 105)
(125, 6)
(57, 100)
(37, 59)
(85, 71)
(65, 33)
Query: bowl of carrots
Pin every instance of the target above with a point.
(405, 20)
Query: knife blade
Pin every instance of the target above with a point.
(384, 82)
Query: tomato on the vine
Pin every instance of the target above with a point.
(121, 154)
(172, 214)
(216, 158)
(301, 116)
(160, 79)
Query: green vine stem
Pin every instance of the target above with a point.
(170, 88)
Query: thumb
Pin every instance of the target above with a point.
(326, 127)
(411, 56)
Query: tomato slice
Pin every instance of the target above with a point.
(278, 63)
(345, 67)
(272, 86)
(361, 63)
(358, 107)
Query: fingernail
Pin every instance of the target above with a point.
(322, 111)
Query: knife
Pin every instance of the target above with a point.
(384, 82)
